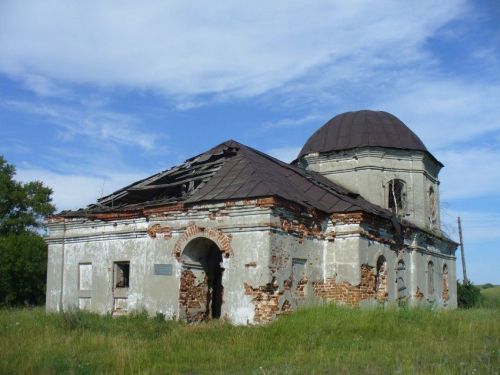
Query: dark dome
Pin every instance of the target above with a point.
(360, 129)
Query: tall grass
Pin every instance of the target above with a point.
(490, 297)
(318, 340)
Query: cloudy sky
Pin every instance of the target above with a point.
(96, 94)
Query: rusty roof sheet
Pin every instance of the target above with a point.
(232, 171)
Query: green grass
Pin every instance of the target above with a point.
(491, 297)
(320, 340)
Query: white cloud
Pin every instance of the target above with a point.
(444, 111)
(292, 122)
(470, 173)
(477, 226)
(189, 48)
(96, 124)
(44, 87)
(72, 191)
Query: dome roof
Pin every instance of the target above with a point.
(361, 129)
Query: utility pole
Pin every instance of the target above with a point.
(466, 280)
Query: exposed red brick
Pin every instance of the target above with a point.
(446, 291)
(286, 307)
(301, 285)
(266, 301)
(418, 294)
(222, 240)
(344, 292)
(193, 297)
(156, 229)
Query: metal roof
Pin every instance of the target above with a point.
(232, 171)
(362, 129)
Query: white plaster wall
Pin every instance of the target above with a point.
(103, 243)
(285, 248)
(367, 172)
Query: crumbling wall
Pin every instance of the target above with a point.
(294, 262)
(266, 300)
(346, 293)
(193, 295)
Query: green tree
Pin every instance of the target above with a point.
(468, 295)
(23, 269)
(22, 205)
(23, 252)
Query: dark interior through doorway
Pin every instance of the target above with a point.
(201, 281)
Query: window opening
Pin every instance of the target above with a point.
(432, 206)
(381, 276)
(122, 274)
(397, 195)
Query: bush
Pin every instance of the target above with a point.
(23, 269)
(468, 295)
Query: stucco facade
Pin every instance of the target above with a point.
(302, 240)
(368, 171)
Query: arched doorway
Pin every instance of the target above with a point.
(201, 289)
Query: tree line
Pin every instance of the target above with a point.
(23, 251)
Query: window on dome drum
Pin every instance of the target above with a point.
(432, 206)
(396, 195)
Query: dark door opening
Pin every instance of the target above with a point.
(201, 291)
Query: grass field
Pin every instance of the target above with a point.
(491, 297)
(321, 340)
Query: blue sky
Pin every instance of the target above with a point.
(97, 94)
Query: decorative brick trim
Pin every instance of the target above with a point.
(156, 229)
(222, 240)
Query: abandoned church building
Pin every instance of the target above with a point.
(234, 233)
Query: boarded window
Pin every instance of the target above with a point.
(121, 274)
(299, 278)
(396, 195)
(298, 270)
(400, 279)
(430, 279)
(85, 276)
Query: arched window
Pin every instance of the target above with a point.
(400, 280)
(445, 283)
(381, 278)
(432, 206)
(430, 279)
(396, 195)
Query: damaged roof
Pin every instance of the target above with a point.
(232, 171)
